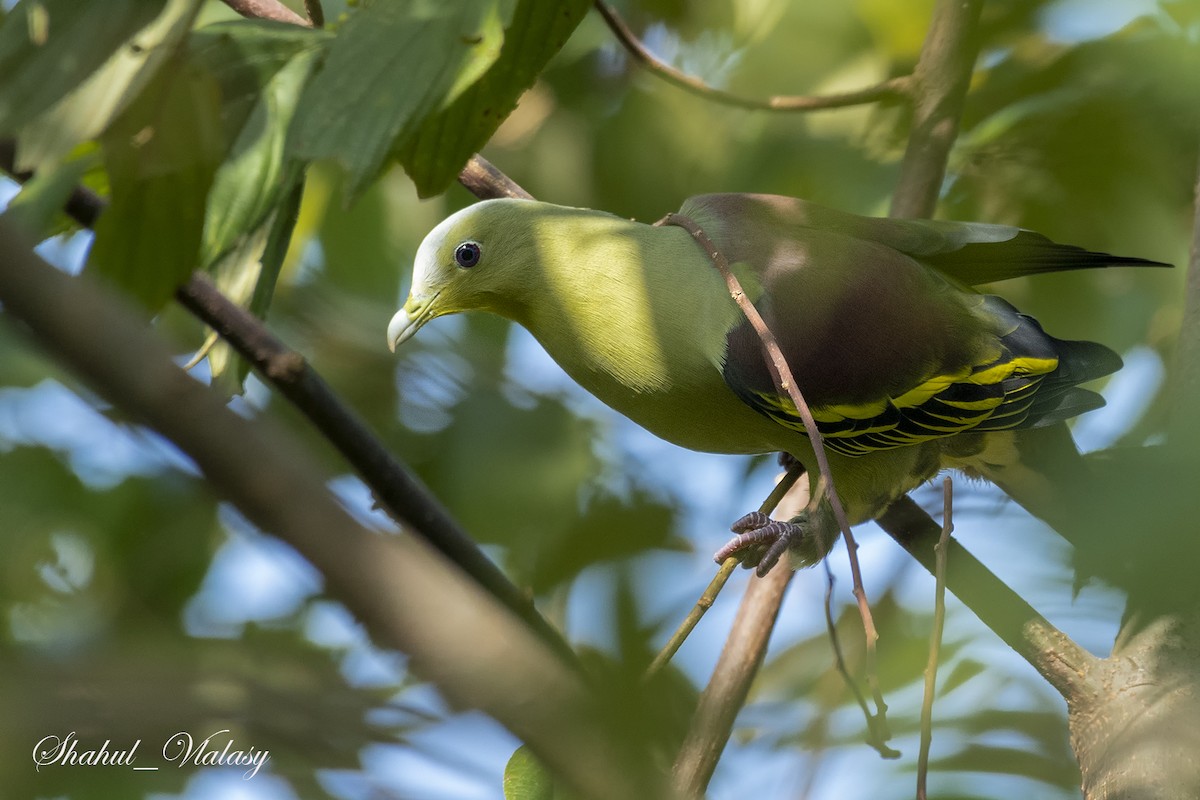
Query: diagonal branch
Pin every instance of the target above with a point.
(268, 9)
(405, 498)
(890, 89)
(402, 494)
(408, 596)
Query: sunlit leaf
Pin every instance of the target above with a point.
(390, 66)
(442, 144)
(48, 47)
(88, 109)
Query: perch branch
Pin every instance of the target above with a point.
(709, 596)
(887, 90)
(740, 658)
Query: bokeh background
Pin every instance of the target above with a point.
(133, 604)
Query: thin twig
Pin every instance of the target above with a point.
(935, 636)
(267, 9)
(786, 382)
(709, 596)
(887, 90)
(877, 735)
(1059, 660)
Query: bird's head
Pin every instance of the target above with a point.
(472, 260)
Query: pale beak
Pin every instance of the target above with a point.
(408, 320)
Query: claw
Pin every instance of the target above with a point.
(750, 522)
(761, 541)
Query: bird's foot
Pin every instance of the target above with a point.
(761, 541)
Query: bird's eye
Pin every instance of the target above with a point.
(467, 254)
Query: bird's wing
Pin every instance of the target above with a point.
(970, 252)
(887, 352)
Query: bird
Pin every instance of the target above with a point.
(908, 368)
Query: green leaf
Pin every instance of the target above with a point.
(391, 65)
(525, 778)
(261, 69)
(48, 47)
(445, 140)
(90, 107)
(161, 155)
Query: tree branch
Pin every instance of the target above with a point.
(402, 494)
(1187, 353)
(1059, 660)
(409, 597)
(405, 498)
(887, 90)
(736, 667)
(267, 9)
(939, 90)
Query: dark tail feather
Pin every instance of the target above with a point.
(1027, 253)
(1059, 398)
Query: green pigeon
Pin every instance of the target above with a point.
(907, 369)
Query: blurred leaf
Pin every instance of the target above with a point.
(440, 147)
(608, 528)
(39, 206)
(962, 671)
(161, 154)
(983, 759)
(390, 66)
(88, 109)
(525, 778)
(48, 47)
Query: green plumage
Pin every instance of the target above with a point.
(907, 368)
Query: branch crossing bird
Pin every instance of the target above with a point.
(906, 367)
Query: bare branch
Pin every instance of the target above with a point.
(485, 181)
(887, 90)
(404, 497)
(709, 595)
(407, 595)
(1187, 354)
(939, 89)
(1059, 660)
(267, 9)
(736, 667)
(935, 635)
(877, 733)
(786, 383)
